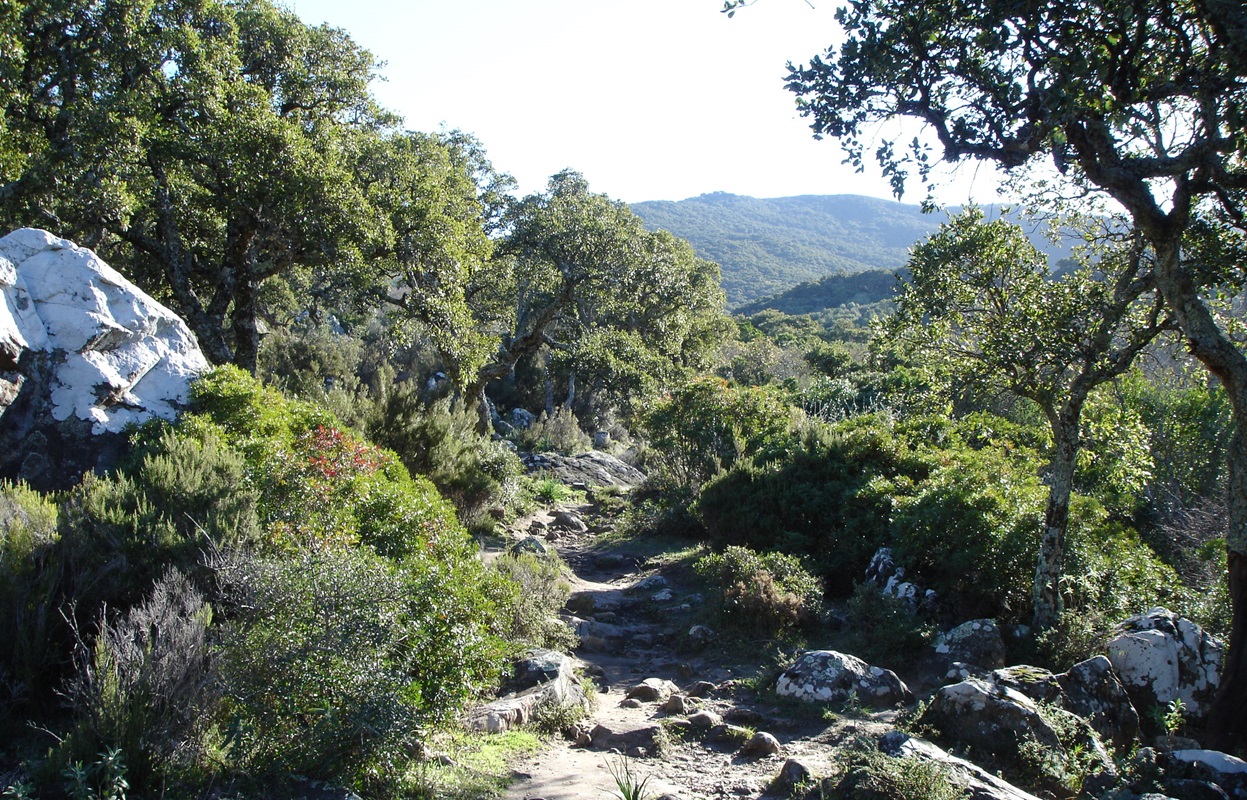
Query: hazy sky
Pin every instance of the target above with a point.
(649, 99)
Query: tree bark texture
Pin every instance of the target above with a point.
(1047, 588)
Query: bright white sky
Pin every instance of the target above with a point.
(649, 99)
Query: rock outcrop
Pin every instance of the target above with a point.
(825, 676)
(1161, 657)
(83, 354)
(542, 679)
(593, 468)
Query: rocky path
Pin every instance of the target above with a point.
(634, 621)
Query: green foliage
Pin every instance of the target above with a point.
(557, 433)
(316, 485)
(28, 525)
(182, 495)
(767, 594)
(146, 687)
(885, 630)
(537, 590)
(104, 778)
(970, 532)
(871, 775)
(335, 661)
(628, 785)
(707, 425)
(440, 442)
(549, 490)
(828, 499)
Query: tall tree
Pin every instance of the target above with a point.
(205, 147)
(578, 274)
(980, 301)
(1144, 102)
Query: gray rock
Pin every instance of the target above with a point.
(569, 521)
(536, 667)
(1093, 692)
(677, 704)
(653, 690)
(1161, 657)
(521, 419)
(702, 689)
(975, 642)
(1208, 766)
(761, 744)
(594, 468)
(624, 740)
(554, 685)
(1034, 682)
(701, 635)
(981, 784)
(792, 774)
(958, 671)
(705, 720)
(529, 544)
(996, 720)
(826, 676)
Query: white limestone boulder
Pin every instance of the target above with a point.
(826, 676)
(83, 354)
(1161, 657)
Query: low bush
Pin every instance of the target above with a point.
(145, 687)
(440, 441)
(557, 433)
(764, 594)
(706, 426)
(872, 775)
(884, 630)
(530, 612)
(336, 662)
(28, 525)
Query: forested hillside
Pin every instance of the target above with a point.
(767, 246)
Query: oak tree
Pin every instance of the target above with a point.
(1145, 103)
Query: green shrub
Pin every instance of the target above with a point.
(884, 630)
(337, 661)
(183, 494)
(765, 594)
(871, 775)
(145, 686)
(28, 522)
(559, 433)
(538, 590)
(707, 425)
(829, 499)
(440, 442)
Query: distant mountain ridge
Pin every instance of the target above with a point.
(767, 246)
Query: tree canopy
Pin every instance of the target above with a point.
(1143, 102)
(981, 302)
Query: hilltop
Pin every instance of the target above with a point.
(767, 246)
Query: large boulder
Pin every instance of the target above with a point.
(825, 676)
(1093, 692)
(976, 642)
(83, 354)
(1007, 728)
(1161, 657)
(593, 468)
(1089, 690)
